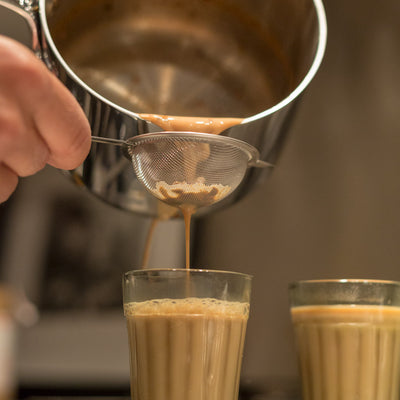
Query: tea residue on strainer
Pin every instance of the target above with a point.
(187, 169)
(197, 194)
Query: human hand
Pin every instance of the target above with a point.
(40, 120)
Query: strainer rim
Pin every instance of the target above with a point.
(251, 152)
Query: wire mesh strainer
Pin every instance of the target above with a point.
(190, 168)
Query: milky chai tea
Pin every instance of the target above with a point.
(347, 335)
(186, 331)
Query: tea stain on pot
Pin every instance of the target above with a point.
(169, 64)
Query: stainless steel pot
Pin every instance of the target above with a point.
(208, 58)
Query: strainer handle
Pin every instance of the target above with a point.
(116, 142)
(260, 164)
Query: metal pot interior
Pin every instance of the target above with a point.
(220, 58)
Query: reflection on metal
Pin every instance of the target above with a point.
(227, 58)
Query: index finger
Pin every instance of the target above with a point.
(44, 100)
(64, 126)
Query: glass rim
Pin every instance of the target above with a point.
(318, 292)
(344, 281)
(145, 271)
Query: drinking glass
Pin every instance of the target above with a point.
(186, 331)
(347, 336)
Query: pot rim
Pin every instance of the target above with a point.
(319, 54)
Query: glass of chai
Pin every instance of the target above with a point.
(347, 336)
(186, 331)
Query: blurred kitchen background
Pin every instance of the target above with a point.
(330, 210)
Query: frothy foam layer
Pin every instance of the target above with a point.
(346, 313)
(188, 306)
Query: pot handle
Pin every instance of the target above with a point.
(19, 20)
